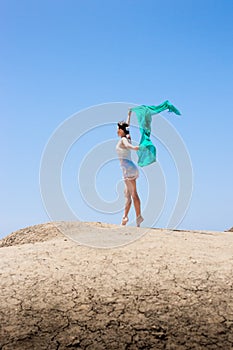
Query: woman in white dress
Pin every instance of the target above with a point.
(130, 171)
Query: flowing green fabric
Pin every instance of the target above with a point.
(147, 151)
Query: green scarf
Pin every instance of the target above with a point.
(147, 151)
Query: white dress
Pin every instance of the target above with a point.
(130, 171)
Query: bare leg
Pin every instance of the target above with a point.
(128, 202)
(133, 191)
(131, 185)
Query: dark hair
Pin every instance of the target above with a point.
(123, 126)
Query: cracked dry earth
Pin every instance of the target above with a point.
(168, 290)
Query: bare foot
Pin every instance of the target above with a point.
(124, 220)
(139, 220)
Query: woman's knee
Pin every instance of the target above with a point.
(128, 201)
(135, 195)
(127, 197)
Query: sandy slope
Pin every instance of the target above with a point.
(167, 290)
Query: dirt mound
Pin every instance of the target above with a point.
(48, 231)
(31, 234)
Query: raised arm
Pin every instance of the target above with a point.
(129, 115)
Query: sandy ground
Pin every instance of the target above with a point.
(166, 290)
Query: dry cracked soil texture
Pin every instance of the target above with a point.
(167, 290)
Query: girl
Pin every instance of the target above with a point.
(130, 171)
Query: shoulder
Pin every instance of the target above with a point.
(124, 140)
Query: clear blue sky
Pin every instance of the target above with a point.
(58, 57)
